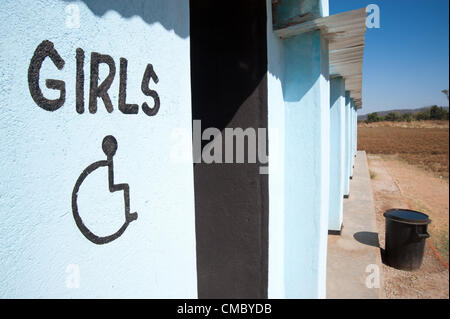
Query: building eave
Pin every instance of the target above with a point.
(346, 37)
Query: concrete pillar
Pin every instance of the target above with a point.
(350, 150)
(347, 146)
(353, 137)
(355, 132)
(337, 153)
(276, 140)
(307, 102)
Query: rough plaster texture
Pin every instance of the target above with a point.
(298, 106)
(352, 136)
(276, 138)
(347, 145)
(337, 152)
(43, 153)
(306, 94)
(355, 131)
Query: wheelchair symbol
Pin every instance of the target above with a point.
(109, 147)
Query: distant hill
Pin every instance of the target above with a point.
(402, 111)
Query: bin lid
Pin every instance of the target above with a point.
(407, 216)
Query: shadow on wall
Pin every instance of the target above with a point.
(292, 9)
(229, 89)
(226, 73)
(297, 52)
(334, 96)
(305, 96)
(169, 13)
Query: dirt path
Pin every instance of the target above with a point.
(425, 192)
(399, 185)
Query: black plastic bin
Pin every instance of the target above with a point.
(406, 232)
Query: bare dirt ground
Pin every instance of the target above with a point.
(421, 143)
(397, 184)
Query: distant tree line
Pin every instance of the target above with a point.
(433, 113)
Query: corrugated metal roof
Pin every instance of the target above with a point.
(346, 34)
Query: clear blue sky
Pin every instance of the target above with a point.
(406, 60)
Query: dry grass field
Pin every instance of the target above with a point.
(424, 144)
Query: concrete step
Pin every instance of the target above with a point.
(354, 261)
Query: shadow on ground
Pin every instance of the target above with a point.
(367, 238)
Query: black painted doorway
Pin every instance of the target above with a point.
(229, 90)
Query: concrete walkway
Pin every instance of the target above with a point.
(354, 261)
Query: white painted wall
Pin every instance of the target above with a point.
(276, 133)
(337, 153)
(43, 153)
(299, 193)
